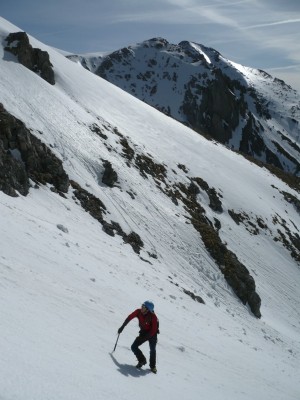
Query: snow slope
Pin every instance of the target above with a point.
(66, 286)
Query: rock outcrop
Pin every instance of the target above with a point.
(34, 59)
(23, 157)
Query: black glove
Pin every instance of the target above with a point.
(120, 330)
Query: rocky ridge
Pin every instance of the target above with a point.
(243, 108)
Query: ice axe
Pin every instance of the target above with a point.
(116, 343)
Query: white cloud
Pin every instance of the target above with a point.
(289, 21)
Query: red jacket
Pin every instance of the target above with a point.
(148, 322)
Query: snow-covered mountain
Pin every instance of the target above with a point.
(244, 108)
(106, 202)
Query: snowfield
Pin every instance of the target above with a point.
(66, 286)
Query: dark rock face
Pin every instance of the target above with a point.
(194, 296)
(89, 202)
(34, 59)
(110, 176)
(242, 283)
(135, 241)
(219, 111)
(235, 273)
(97, 210)
(24, 157)
(13, 176)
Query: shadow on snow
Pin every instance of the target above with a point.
(129, 370)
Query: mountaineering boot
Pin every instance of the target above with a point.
(154, 370)
(140, 364)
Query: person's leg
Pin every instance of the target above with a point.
(152, 345)
(137, 352)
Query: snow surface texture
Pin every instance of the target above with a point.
(66, 286)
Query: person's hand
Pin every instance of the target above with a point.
(120, 330)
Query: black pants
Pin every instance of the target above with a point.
(138, 353)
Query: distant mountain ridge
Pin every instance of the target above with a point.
(244, 108)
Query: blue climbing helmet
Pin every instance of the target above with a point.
(149, 305)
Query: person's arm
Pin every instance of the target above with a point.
(154, 326)
(128, 319)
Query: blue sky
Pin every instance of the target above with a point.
(262, 34)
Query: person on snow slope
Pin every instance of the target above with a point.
(148, 323)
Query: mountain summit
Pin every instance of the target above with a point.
(242, 107)
(106, 202)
